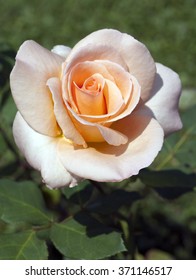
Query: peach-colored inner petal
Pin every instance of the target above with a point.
(116, 90)
(80, 75)
(89, 98)
(96, 93)
(133, 101)
(68, 129)
(95, 132)
(93, 84)
(113, 97)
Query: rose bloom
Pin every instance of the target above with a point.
(99, 111)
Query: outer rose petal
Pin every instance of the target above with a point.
(103, 162)
(165, 98)
(61, 50)
(34, 66)
(41, 153)
(134, 53)
(92, 52)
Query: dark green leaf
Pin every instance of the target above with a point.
(79, 194)
(22, 246)
(83, 237)
(22, 202)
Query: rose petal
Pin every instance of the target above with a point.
(103, 162)
(89, 97)
(91, 52)
(34, 66)
(134, 98)
(62, 116)
(77, 76)
(41, 153)
(61, 50)
(114, 98)
(112, 137)
(134, 53)
(165, 98)
(95, 132)
(121, 98)
(121, 78)
(82, 71)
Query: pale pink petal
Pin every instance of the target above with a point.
(34, 66)
(165, 98)
(62, 116)
(92, 52)
(135, 54)
(61, 50)
(41, 153)
(112, 137)
(103, 162)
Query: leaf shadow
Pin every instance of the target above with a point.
(93, 227)
(104, 206)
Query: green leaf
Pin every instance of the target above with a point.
(22, 202)
(83, 237)
(22, 246)
(179, 149)
(79, 194)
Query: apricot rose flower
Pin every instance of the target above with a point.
(99, 111)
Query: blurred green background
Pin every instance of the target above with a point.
(168, 29)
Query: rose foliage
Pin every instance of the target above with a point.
(99, 111)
